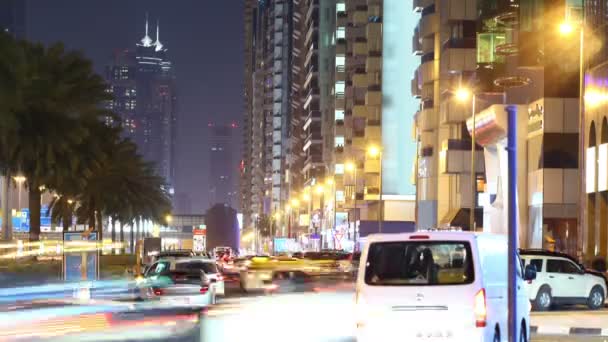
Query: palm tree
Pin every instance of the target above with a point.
(61, 90)
(11, 78)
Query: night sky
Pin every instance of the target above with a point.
(204, 39)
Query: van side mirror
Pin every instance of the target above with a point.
(530, 273)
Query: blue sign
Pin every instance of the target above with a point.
(21, 221)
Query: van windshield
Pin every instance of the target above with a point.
(419, 263)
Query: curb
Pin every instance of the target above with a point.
(568, 331)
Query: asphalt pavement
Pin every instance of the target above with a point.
(324, 316)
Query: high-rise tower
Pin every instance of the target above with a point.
(145, 98)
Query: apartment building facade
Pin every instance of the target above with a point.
(511, 56)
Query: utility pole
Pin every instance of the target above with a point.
(513, 226)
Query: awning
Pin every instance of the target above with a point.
(460, 218)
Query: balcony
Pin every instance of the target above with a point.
(372, 193)
(426, 72)
(360, 111)
(360, 16)
(415, 89)
(359, 142)
(457, 10)
(429, 25)
(360, 80)
(374, 78)
(452, 111)
(372, 166)
(416, 44)
(373, 64)
(360, 48)
(373, 97)
(427, 120)
(459, 55)
(373, 133)
(374, 36)
(455, 157)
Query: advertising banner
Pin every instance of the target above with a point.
(21, 220)
(199, 240)
(80, 256)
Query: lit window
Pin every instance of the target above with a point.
(341, 7)
(340, 196)
(339, 114)
(341, 33)
(340, 88)
(339, 169)
(340, 61)
(339, 141)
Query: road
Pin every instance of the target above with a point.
(325, 316)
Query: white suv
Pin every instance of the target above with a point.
(561, 280)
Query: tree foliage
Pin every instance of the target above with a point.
(52, 131)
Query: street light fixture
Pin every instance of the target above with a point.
(352, 167)
(306, 197)
(295, 203)
(168, 218)
(566, 28)
(376, 152)
(319, 189)
(463, 95)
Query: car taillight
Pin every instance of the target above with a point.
(480, 309)
(204, 289)
(158, 292)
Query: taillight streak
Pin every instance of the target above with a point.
(480, 309)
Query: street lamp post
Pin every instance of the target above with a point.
(352, 167)
(375, 151)
(321, 192)
(332, 188)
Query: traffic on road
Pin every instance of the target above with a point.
(423, 286)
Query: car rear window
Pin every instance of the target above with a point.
(194, 265)
(419, 263)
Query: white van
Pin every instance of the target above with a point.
(439, 286)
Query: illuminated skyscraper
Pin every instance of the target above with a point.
(222, 165)
(145, 98)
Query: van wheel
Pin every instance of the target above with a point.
(496, 335)
(523, 334)
(543, 301)
(596, 298)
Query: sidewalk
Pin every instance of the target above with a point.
(572, 322)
